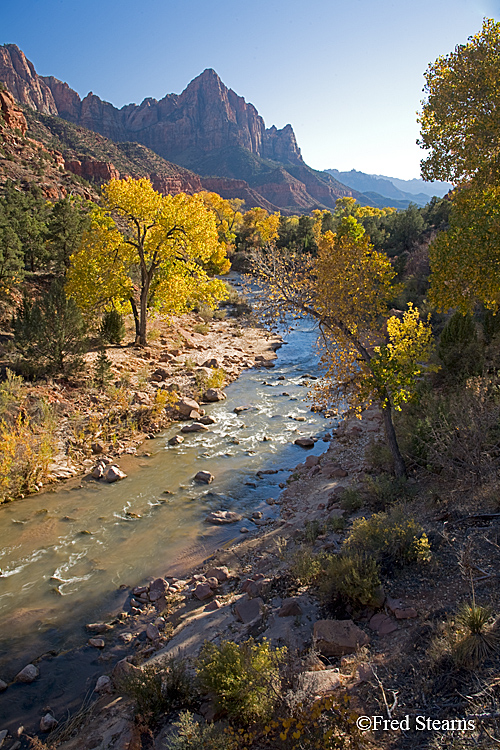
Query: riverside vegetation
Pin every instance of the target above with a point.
(403, 544)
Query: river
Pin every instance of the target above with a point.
(67, 556)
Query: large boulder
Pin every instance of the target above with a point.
(222, 516)
(304, 442)
(194, 427)
(186, 405)
(214, 394)
(204, 476)
(28, 674)
(114, 474)
(338, 637)
(247, 610)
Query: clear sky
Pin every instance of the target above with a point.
(347, 74)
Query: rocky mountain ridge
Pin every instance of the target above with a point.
(207, 128)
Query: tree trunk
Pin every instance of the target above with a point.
(135, 313)
(392, 441)
(143, 312)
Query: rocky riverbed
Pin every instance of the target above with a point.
(241, 591)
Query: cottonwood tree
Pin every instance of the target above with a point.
(460, 119)
(155, 243)
(460, 126)
(347, 289)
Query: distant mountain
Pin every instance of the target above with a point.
(207, 129)
(404, 191)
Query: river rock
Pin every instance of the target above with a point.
(203, 591)
(194, 427)
(104, 684)
(28, 674)
(186, 405)
(213, 582)
(160, 374)
(3, 735)
(152, 632)
(98, 627)
(222, 516)
(221, 573)
(204, 476)
(97, 472)
(176, 440)
(48, 723)
(214, 394)
(248, 610)
(3, 686)
(338, 637)
(158, 588)
(207, 420)
(290, 608)
(211, 363)
(114, 474)
(304, 442)
(96, 642)
(319, 682)
(124, 669)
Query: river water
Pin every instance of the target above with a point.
(65, 554)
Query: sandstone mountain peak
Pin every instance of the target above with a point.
(207, 128)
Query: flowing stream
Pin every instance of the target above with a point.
(65, 554)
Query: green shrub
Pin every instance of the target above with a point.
(391, 538)
(49, 334)
(112, 327)
(351, 500)
(159, 687)
(351, 577)
(384, 490)
(312, 531)
(193, 735)
(244, 677)
(304, 566)
(459, 348)
(202, 328)
(102, 373)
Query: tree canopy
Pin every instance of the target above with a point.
(148, 250)
(460, 119)
(348, 289)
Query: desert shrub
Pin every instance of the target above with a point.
(312, 531)
(351, 500)
(336, 523)
(205, 311)
(202, 328)
(459, 349)
(391, 538)
(244, 677)
(102, 374)
(457, 433)
(112, 327)
(352, 577)
(49, 334)
(27, 444)
(159, 687)
(304, 566)
(325, 724)
(194, 735)
(384, 490)
(379, 456)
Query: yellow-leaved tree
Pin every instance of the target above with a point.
(148, 250)
(348, 288)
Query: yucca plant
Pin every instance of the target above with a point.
(478, 638)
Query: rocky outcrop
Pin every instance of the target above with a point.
(229, 188)
(92, 170)
(12, 116)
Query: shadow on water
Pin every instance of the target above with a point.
(65, 554)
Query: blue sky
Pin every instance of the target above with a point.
(348, 76)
